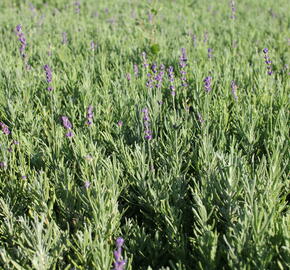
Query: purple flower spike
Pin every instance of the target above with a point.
(182, 64)
(136, 71)
(128, 77)
(171, 80)
(234, 90)
(149, 83)
(48, 74)
(146, 123)
(268, 62)
(145, 64)
(159, 77)
(233, 8)
(23, 45)
(69, 134)
(90, 115)
(209, 53)
(3, 164)
(18, 28)
(207, 84)
(66, 123)
(119, 262)
(78, 7)
(5, 128)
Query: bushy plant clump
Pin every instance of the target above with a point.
(144, 134)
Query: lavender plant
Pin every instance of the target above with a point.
(208, 189)
(48, 74)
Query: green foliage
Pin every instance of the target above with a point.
(209, 191)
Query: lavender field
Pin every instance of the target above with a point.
(144, 134)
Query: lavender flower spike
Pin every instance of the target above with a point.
(182, 64)
(171, 79)
(78, 7)
(48, 74)
(233, 7)
(67, 125)
(90, 115)
(209, 53)
(136, 71)
(119, 262)
(207, 84)
(22, 40)
(5, 128)
(234, 90)
(268, 62)
(145, 64)
(146, 123)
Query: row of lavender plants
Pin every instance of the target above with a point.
(144, 135)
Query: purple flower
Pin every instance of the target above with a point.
(207, 83)
(48, 74)
(268, 62)
(90, 115)
(209, 53)
(234, 90)
(171, 80)
(136, 71)
(69, 134)
(119, 262)
(146, 123)
(18, 28)
(154, 68)
(87, 184)
(4, 128)
(120, 123)
(66, 123)
(23, 45)
(149, 83)
(182, 64)
(265, 51)
(23, 177)
(78, 7)
(3, 164)
(159, 77)
(233, 8)
(128, 77)
(22, 40)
